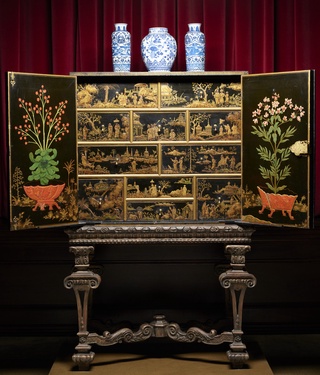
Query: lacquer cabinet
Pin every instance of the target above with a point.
(161, 147)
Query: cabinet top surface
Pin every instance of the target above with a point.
(161, 74)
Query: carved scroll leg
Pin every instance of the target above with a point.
(82, 281)
(238, 354)
(237, 280)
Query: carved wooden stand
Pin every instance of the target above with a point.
(236, 279)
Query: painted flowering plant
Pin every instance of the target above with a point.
(43, 126)
(273, 123)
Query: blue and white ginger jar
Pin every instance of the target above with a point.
(159, 50)
(195, 48)
(121, 48)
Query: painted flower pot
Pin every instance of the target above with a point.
(277, 202)
(44, 195)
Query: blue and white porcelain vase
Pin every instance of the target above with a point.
(195, 45)
(121, 48)
(159, 50)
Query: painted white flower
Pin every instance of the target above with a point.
(274, 128)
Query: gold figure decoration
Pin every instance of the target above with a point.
(201, 159)
(101, 200)
(160, 211)
(159, 126)
(201, 95)
(160, 138)
(98, 127)
(206, 126)
(139, 95)
(219, 199)
(159, 187)
(118, 159)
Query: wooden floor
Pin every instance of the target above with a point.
(286, 354)
(166, 358)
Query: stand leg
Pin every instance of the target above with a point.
(237, 280)
(82, 281)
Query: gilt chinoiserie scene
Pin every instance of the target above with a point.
(159, 148)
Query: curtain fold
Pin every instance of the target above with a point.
(263, 36)
(62, 36)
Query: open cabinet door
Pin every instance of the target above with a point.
(42, 146)
(277, 153)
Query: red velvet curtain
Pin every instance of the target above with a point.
(61, 36)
